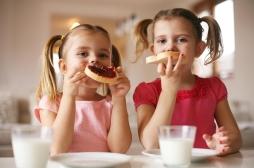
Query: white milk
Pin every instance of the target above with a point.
(31, 152)
(176, 151)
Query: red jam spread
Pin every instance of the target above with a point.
(102, 70)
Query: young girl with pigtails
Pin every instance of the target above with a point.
(179, 97)
(82, 119)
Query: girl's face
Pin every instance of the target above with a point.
(177, 34)
(83, 47)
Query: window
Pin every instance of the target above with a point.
(224, 14)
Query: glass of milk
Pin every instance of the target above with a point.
(176, 144)
(31, 146)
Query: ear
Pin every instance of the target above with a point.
(151, 47)
(62, 66)
(201, 46)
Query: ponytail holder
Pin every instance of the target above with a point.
(199, 20)
(62, 37)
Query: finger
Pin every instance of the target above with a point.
(209, 141)
(178, 70)
(120, 83)
(161, 69)
(223, 133)
(223, 150)
(119, 69)
(222, 128)
(224, 140)
(207, 137)
(71, 72)
(123, 80)
(178, 63)
(169, 66)
(120, 79)
(78, 76)
(120, 74)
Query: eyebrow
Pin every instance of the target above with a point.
(86, 48)
(160, 36)
(184, 34)
(82, 48)
(105, 50)
(177, 35)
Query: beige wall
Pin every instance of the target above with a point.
(240, 87)
(25, 26)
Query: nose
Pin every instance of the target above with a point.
(92, 57)
(170, 46)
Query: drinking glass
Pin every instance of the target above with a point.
(176, 144)
(31, 145)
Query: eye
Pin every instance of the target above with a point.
(83, 54)
(181, 40)
(103, 55)
(161, 41)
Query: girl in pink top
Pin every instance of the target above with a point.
(83, 119)
(179, 97)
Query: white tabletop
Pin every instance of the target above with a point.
(243, 159)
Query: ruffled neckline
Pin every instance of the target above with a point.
(198, 90)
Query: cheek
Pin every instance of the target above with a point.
(157, 49)
(77, 65)
(83, 64)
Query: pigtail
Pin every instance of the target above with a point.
(116, 59)
(214, 40)
(47, 85)
(141, 34)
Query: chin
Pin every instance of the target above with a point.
(90, 83)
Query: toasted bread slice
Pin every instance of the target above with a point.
(162, 57)
(101, 73)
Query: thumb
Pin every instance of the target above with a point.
(209, 140)
(161, 68)
(207, 137)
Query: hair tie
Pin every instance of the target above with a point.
(199, 20)
(62, 37)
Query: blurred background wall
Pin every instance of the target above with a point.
(27, 24)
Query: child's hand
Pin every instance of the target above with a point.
(171, 75)
(221, 141)
(122, 85)
(71, 83)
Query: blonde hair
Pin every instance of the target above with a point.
(47, 85)
(213, 41)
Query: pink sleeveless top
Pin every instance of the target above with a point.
(193, 107)
(92, 123)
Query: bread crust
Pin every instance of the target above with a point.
(99, 78)
(162, 57)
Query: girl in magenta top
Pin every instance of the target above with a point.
(179, 97)
(82, 118)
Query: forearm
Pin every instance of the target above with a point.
(162, 115)
(63, 126)
(119, 137)
(236, 141)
